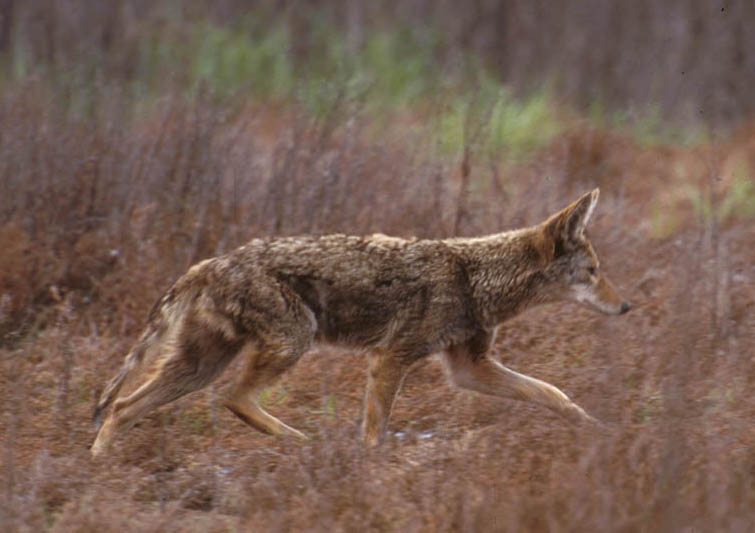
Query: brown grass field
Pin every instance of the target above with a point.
(101, 210)
(93, 237)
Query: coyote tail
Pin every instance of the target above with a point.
(162, 316)
(134, 358)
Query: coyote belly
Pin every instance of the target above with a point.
(398, 299)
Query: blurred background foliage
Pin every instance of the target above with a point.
(138, 137)
(688, 61)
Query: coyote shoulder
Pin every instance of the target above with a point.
(399, 299)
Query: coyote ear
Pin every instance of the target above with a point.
(569, 224)
(579, 213)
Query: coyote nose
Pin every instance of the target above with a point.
(625, 306)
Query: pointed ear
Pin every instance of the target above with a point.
(569, 224)
(580, 213)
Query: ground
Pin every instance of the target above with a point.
(672, 379)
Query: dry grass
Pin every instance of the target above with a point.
(96, 219)
(116, 175)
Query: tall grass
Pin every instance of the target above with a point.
(131, 152)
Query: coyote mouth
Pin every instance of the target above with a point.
(588, 298)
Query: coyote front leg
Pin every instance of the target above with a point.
(384, 377)
(480, 373)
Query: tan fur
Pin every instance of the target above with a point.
(399, 299)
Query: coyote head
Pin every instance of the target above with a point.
(574, 267)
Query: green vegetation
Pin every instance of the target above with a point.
(647, 125)
(738, 200)
(233, 61)
(388, 73)
(513, 126)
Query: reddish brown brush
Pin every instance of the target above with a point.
(673, 378)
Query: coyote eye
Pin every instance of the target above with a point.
(591, 270)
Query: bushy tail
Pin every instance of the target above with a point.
(178, 294)
(133, 359)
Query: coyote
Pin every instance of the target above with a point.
(399, 299)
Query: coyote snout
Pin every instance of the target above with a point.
(602, 296)
(400, 299)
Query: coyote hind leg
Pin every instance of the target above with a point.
(245, 405)
(272, 354)
(263, 369)
(190, 362)
(491, 377)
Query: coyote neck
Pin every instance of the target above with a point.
(505, 273)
